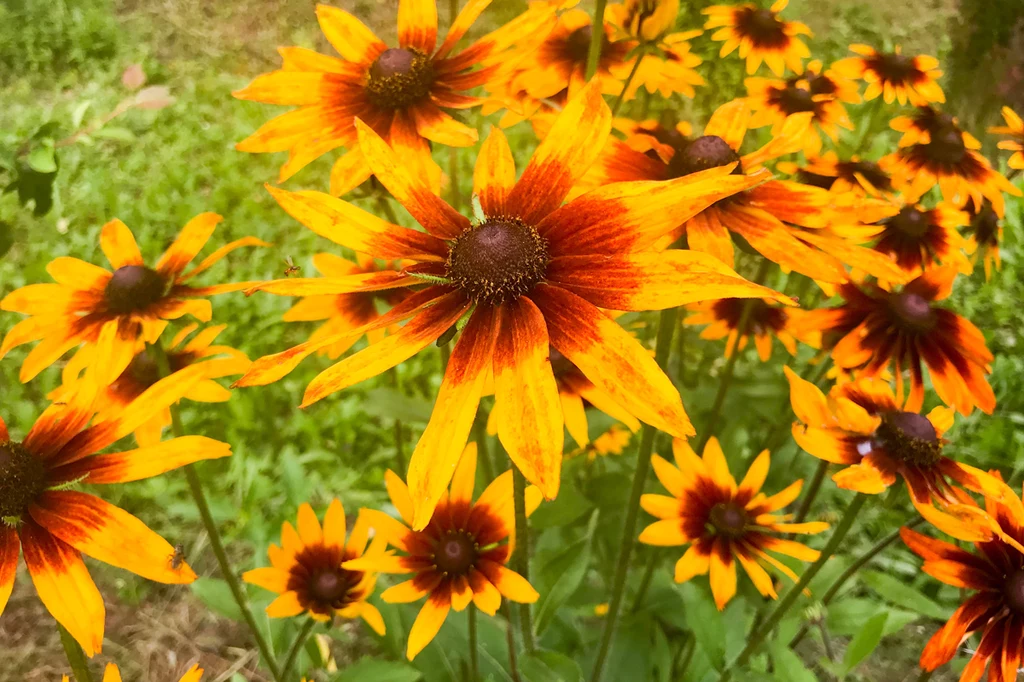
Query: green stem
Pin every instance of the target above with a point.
(513, 664)
(852, 570)
(482, 446)
(783, 606)
(216, 544)
(666, 327)
(293, 652)
(596, 38)
(521, 559)
(76, 657)
(645, 582)
(685, 656)
(387, 209)
(474, 655)
(629, 81)
(446, 354)
(925, 675)
(812, 492)
(398, 429)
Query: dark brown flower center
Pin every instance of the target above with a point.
(820, 84)
(144, 370)
(22, 480)
(320, 582)
(913, 310)
(455, 553)
(729, 519)
(795, 100)
(498, 260)
(331, 587)
(708, 151)
(1013, 590)
(400, 77)
(133, 288)
(909, 437)
(814, 180)
(763, 317)
(897, 68)
(869, 170)
(985, 225)
(577, 45)
(946, 145)
(910, 221)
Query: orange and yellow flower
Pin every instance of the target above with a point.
(894, 75)
(109, 312)
(724, 523)
(404, 93)
(760, 35)
(112, 674)
(874, 330)
(919, 238)
(986, 233)
(994, 573)
(459, 557)
(646, 20)
(863, 426)
(611, 442)
(1014, 129)
(861, 177)
(765, 320)
(533, 273)
(307, 570)
(53, 526)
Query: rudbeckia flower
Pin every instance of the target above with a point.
(724, 523)
(144, 371)
(766, 320)
(307, 571)
(935, 151)
(458, 558)
(760, 35)
(345, 311)
(54, 526)
(986, 233)
(112, 674)
(863, 426)
(894, 75)
(875, 329)
(109, 312)
(646, 20)
(828, 171)
(919, 238)
(404, 93)
(1014, 128)
(530, 273)
(994, 576)
(611, 442)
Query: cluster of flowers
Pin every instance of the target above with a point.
(645, 218)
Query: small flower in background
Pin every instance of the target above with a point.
(307, 570)
(112, 674)
(646, 20)
(401, 92)
(856, 175)
(345, 311)
(920, 239)
(765, 321)
(873, 330)
(994, 574)
(611, 442)
(1014, 129)
(935, 151)
(459, 557)
(110, 312)
(54, 526)
(760, 35)
(862, 425)
(724, 523)
(986, 233)
(894, 75)
(144, 371)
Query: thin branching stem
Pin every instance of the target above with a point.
(521, 558)
(474, 655)
(617, 104)
(296, 647)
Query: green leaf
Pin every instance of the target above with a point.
(865, 641)
(115, 133)
(566, 571)
(706, 623)
(899, 593)
(788, 666)
(216, 594)
(378, 671)
(42, 159)
(78, 113)
(387, 403)
(6, 238)
(565, 510)
(549, 666)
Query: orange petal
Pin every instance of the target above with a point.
(273, 579)
(808, 401)
(332, 286)
(390, 527)
(433, 462)
(428, 623)
(348, 35)
(190, 241)
(60, 423)
(404, 593)
(464, 479)
(612, 359)
(118, 244)
(944, 644)
(309, 526)
(756, 475)
(10, 547)
(723, 577)
(530, 422)
(109, 534)
(417, 24)
(511, 585)
(78, 274)
(334, 525)
(285, 606)
(398, 491)
(146, 462)
(219, 254)
(693, 563)
(730, 122)
(462, 23)
(437, 126)
(495, 173)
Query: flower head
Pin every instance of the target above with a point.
(531, 274)
(862, 426)
(1014, 130)
(404, 93)
(54, 526)
(760, 35)
(919, 238)
(894, 75)
(646, 20)
(724, 523)
(109, 312)
(986, 233)
(875, 329)
(765, 321)
(828, 171)
(459, 557)
(307, 570)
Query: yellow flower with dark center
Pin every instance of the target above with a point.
(646, 20)
(765, 321)
(1014, 129)
(863, 426)
(919, 238)
(112, 674)
(458, 558)
(54, 526)
(774, 101)
(935, 151)
(760, 35)
(894, 75)
(724, 523)
(109, 312)
(307, 570)
(144, 371)
(531, 274)
(874, 330)
(828, 171)
(404, 93)
(986, 233)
